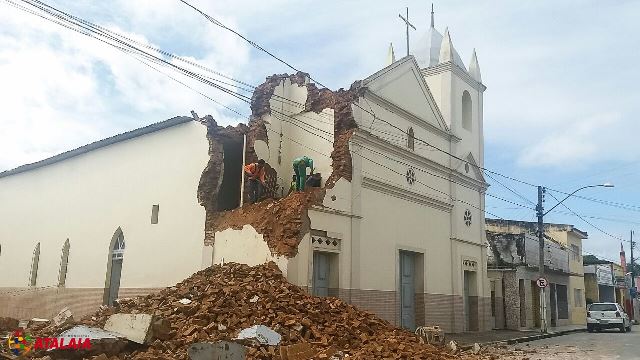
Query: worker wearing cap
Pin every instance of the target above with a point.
(255, 172)
(300, 169)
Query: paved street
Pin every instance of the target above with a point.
(609, 345)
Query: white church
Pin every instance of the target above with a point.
(400, 232)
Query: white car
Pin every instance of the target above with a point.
(607, 316)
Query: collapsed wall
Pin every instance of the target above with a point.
(283, 222)
(212, 194)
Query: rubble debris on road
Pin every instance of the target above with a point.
(220, 309)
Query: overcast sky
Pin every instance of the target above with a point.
(561, 106)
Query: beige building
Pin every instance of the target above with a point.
(605, 282)
(513, 270)
(398, 229)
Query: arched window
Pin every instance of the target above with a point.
(466, 110)
(64, 261)
(410, 139)
(114, 268)
(35, 260)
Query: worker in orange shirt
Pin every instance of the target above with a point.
(255, 172)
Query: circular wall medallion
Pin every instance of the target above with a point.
(410, 176)
(467, 217)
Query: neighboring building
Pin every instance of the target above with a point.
(606, 282)
(399, 228)
(513, 269)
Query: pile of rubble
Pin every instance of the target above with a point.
(220, 302)
(282, 222)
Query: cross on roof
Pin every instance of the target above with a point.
(406, 21)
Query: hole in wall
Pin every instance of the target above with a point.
(229, 192)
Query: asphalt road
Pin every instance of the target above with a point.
(607, 345)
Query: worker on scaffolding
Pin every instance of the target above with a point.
(255, 172)
(300, 169)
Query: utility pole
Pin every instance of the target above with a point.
(632, 244)
(542, 283)
(633, 266)
(540, 213)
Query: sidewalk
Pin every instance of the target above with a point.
(510, 336)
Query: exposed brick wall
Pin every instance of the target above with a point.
(45, 303)
(512, 301)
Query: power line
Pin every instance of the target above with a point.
(586, 221)
(511, 190)
(603, 202)
(250, 42)
(103, 31)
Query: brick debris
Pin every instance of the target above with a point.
(228, 298)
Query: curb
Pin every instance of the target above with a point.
(536, 337)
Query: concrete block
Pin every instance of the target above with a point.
(64, 317)
(221, 350)
(134, 327)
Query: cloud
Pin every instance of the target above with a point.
(576, 143)
(63, 90)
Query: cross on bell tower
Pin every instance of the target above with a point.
(406, 21)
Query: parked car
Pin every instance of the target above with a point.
(607, 316)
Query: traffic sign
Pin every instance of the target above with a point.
(542, 282)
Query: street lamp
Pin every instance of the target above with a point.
(541, 213)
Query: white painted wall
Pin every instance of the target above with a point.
(244, 246)
(288, 119)
(86, 198)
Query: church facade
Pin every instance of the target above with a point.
(396, 228)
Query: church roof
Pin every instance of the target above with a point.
(427, 50)
(99, 144)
